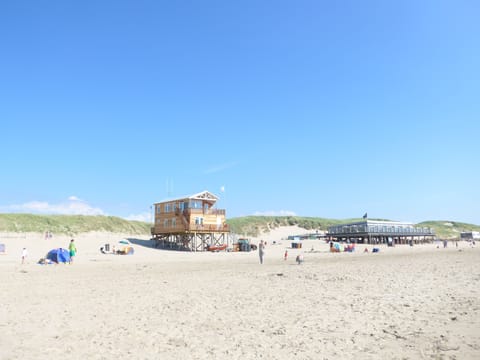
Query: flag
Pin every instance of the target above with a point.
(365, 216)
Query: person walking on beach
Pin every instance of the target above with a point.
(261, 250)
(72, 249)
(24, 255)
(299, 259)
(285, 256)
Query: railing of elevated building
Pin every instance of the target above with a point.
(381, 229)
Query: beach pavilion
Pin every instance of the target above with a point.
(380, 232)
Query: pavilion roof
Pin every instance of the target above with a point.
(204, 195)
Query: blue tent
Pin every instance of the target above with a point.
(59, 255)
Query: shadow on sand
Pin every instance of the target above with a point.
(141, 242)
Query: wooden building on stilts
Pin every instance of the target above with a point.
(380, 232)
(190, 223)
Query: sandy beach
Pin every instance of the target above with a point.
(419, 302)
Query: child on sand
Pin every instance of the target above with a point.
(72, 249)
(261, 251)
(24, 255)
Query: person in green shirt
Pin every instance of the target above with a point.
(72, 249)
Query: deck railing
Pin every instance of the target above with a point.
(204, 212)
(191, 227)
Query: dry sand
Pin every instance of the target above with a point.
(403, 303)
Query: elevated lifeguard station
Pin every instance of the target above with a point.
(190, 223)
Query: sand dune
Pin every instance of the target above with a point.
(403, 303)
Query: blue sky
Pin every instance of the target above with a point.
(308, 108)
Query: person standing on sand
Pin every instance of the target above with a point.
(72, 249)
(261, 250)
(299, 259)
(285, 256)
(24, 255)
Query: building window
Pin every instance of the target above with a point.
(165, 223)
(174, 223)
(195, 204)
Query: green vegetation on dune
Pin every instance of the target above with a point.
(247, 225)
(449, 229)
(254, 225)
(70, 224)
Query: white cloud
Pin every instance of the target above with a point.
(275, 213)
(145, 217)
(73, 206)
(219, 168)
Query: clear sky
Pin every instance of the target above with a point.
(309, 108)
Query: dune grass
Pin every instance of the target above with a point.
(449, 229)
(255, 225)
(246, 225)
(70, 224)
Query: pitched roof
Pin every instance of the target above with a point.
(204, 195)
